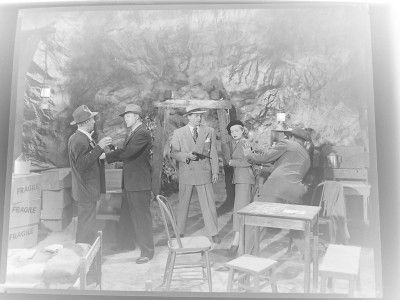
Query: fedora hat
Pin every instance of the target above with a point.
(298, 132)
(132, 108)
(81, 114)
(191, 109)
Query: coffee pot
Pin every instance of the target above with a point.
(333, 160)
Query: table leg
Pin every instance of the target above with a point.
(256, 240)
(241, 249)
(315, 257)
(307, 233)
(230, 279)
(365, 209)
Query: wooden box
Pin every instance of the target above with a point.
(113, 179)
(110, 204)
(59, 224)
(23, 237)
(25, 200)
(352, 174)
(351, 157)
(56, 179)
(59, 199)
(53, 213)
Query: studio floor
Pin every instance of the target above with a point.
(121, 273)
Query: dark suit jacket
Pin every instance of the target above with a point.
(135, 154)
(291, 163)
(88, 179)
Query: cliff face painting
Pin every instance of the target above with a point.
(311, 63)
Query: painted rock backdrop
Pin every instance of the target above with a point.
(311, 64)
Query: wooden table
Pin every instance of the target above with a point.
(362, 188)
(284, 216)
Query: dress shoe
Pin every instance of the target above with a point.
(233, 250)
(143, 260)
(216, 239)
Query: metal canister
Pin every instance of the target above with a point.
(333, 160)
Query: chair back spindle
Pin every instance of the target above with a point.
(168, 217)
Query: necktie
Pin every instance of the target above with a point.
(195, 134)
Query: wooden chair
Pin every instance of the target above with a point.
(247, 266)
(182, 246)
(94, 255)
(341, 262)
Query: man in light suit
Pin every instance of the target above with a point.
(87, 172)
(196, 170)
(136, 178)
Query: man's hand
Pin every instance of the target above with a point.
(214, 178)
(247, 148)
(104, 142)
(191, 156)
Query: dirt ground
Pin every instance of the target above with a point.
(121, 273)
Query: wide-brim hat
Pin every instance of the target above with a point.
(132, 108)
(81, 114)
(298, 132)
(194, 110)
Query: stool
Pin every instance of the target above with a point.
(249, 265)
(341, 262)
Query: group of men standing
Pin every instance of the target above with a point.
(193, 146)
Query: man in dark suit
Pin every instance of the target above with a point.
(136, 178)
(87, 171)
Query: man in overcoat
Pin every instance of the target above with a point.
(196, 171)
(136, 178)
(291, 161)
(87, 171)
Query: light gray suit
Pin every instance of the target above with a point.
(196, 173)
(243, 178)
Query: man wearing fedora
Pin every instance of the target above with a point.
(87, 171)
(136, 178)
(291, 162)
(196, 171)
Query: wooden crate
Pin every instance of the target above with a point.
(25, 200)
(52, 200)
(113, 179)
(59, 224)
(53, 213)
(56, 179)
(110, 204)
(351, 157)
(23, 237)
(351, 174)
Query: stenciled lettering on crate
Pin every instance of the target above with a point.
(25, 204)
(23, 237)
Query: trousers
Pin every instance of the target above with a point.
(139, 210)
(207, 205)
(86, 227)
